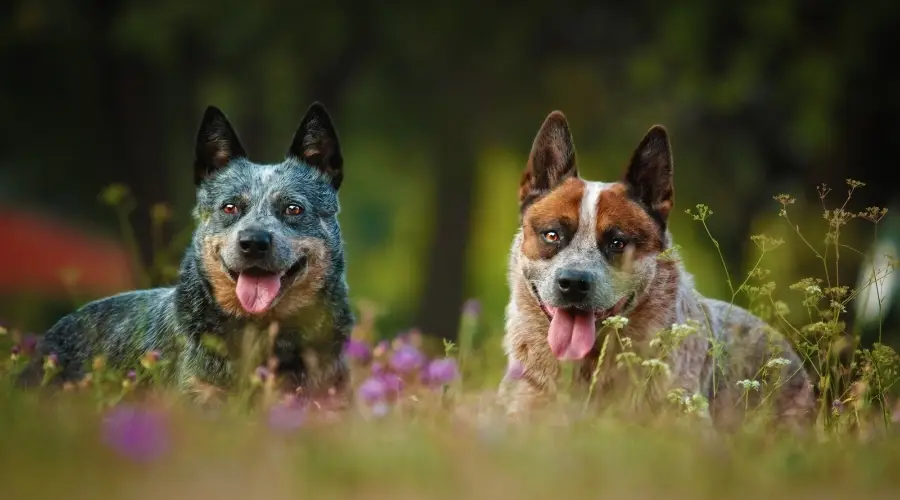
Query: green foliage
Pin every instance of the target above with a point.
(824, 341)
(476, 84)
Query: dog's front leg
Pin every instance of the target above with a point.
(530, 380)
(691, 368)
(325, 378)
(202, 375)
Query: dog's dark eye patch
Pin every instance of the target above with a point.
(613, 237)
(307, 201)
(613, 233)
(558, 211)
(232, 208)
(613, 240)
(618, 213)
(564, 230)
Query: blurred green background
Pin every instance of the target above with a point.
(436, 107)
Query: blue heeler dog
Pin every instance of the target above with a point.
(266, 262)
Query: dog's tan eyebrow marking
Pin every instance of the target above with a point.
(563, 204)
(616, 210)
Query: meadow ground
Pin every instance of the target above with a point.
(427, 440)
(424, 424)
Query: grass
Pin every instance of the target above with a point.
(423, 427)
(62, 454)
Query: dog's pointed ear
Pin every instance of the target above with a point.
(217, 144)
(316, 144)
(552, 159)
(650, 173)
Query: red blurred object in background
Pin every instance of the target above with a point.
(37, 253)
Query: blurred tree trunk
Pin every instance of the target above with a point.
(184, 112)
(444, 285)
(131, 115)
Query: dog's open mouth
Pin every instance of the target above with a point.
(573, 331)
(258, 288)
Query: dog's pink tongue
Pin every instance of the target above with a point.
(257, 293)
(571, 335)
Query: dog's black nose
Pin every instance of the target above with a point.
(254, 243)
(574, 285)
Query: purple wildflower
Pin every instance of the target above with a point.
(138, 434)
(358, 350)
(16, 349)
(372, 390)
(150, 359)
(129, 379)
(441, 372)
(393, 383)
(287, 416)
(378, 368)
(407, 358)
(515, 370)
(29, 343)
(261, 374)
(51, 362)
(472, 308)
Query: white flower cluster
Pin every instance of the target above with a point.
(747, 385)
(657, 366)
(617, 322)
(777, 363)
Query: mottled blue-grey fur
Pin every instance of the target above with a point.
(312, 310)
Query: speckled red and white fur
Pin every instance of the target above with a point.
(608, 237)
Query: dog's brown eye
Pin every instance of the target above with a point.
(229, 208)
(293, 210)
(550, 236)
(617, 245)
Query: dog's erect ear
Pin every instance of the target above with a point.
(217, 144)
(649, 175)
(316, 144)
(552, 159)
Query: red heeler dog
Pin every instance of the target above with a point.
(587, 251)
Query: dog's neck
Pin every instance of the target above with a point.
(669, 298)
